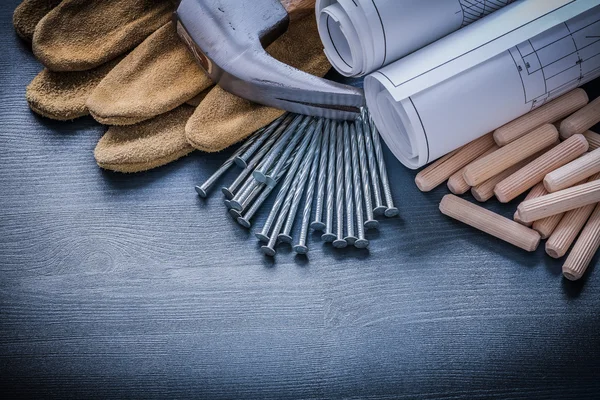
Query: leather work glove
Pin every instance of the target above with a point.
(160, 103)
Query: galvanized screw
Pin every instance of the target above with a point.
(361, 242)
(348, 187)
(329, 235)
(391, 210)
(318, 224)
(339, 191)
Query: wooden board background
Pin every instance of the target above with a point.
(130, 286)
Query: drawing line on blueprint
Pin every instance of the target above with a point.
(561, 60)
(476, 9)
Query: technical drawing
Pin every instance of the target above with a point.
(559, 60)
(474, 10)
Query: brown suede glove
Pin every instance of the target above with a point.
(150, 88)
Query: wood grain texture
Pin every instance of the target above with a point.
(130, 286)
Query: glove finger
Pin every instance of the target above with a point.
(223, 119)
(28, 14)
(62, 95)
(195, 101)
(79, 35)
(156, 77)
(147, 145)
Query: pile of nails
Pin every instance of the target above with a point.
(336, 167)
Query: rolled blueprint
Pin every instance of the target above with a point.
(361, 36)
(425, 109)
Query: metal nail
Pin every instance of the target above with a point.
(391, 211)
(348, 187)
(285, 155)
(329, 235)
(234, 213)
(290, 192)
(242, 159)
(361, 242)
(247, 188)
(203, 189)
(230, 191)
(339, 242)
(379, 207)
(315, 151)
(318, 224)
(263, 235)
(264, 191)
(227, 204)
(260, 174)
(371, 222)
(301, 247)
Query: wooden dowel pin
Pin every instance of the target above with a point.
(485, 191)
(572, 173)
(439, 172)
(569, 227)
(586, 246)
(560, 202)
(582, 120)
(534, 172)
(551, 112)
(490, 222)
(593, 139)
(537, 191)
(511, 154)
(457, 183)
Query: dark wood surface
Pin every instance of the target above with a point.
(130, 286)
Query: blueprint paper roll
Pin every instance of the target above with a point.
(421, 125)
(361, 36)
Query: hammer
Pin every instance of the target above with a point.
(228, 38)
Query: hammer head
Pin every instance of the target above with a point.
(228, 38)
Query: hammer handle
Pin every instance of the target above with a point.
(298, 8)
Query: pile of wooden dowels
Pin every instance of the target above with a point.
(549, 153)
(335, 170)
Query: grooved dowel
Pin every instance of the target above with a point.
(569, 227)
(593, 139)
(441, 170)
(457, 183)
(586, 246)
(546, 226)
(485, 191)
(509, 155)
(572, 173)
(581, 120)
(490, 222)
(560, 202)
(535, 171)
(537, 191)
(551, 112)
